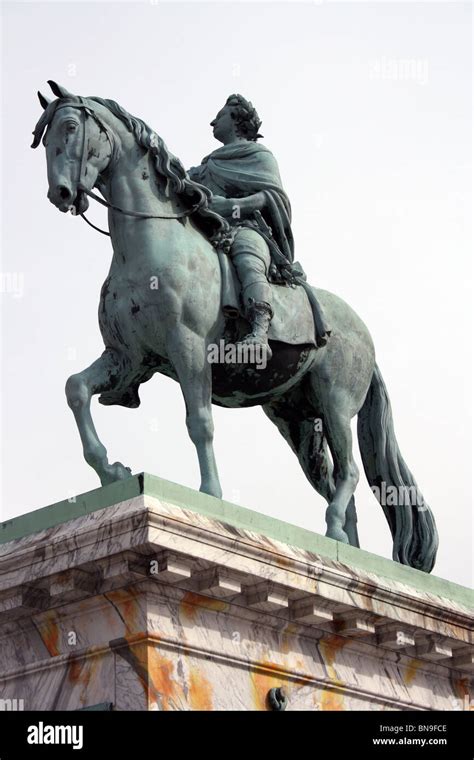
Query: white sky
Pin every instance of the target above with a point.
(367, 108)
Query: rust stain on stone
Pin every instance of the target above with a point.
(411, 671)
(329, 647)
(283, 561)
(332, 700)
(75, 669)
(162, 686)
(49, 632)
(269, 676)
(261, 683)
(287, 637)
(200, 691)
(155, 673)
(462, 689)
(80, 672)
(127, 605)
(191, 602)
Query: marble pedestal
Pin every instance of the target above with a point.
(145, 595)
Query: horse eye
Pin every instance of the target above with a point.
(70, 127)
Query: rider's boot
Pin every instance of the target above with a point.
(251, 266)
(259, 312)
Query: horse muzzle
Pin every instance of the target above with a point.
(65, 199)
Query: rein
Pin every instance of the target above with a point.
(137, 214)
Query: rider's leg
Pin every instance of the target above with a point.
(251, 259)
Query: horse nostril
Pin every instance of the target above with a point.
(64, 192)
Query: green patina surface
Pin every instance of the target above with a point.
(240, 517)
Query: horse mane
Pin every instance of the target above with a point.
(165, 163)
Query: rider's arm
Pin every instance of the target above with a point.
(249, 204)
(246, 206)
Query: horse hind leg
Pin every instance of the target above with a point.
(340, 514)
(99, 377)
(306, 438)
(322, 478)
(350, 525)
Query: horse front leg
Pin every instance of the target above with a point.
(188, 354)
(99, 377)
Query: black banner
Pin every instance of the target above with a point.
(89, 732)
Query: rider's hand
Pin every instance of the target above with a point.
(221, 205)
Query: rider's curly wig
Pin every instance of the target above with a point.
(245, 116)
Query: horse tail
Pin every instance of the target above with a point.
(415, 538)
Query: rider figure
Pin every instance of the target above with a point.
(247, 191)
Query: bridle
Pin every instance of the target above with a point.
(82, 172)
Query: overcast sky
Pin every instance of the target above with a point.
(366, 107)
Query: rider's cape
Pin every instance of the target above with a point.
(242, 169)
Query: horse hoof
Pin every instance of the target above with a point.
(338, 535)
(115, 471)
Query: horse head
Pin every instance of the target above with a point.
(79, 146)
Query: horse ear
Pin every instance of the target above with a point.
(59, 90)
(44, 101)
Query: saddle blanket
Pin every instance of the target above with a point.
(292, 322)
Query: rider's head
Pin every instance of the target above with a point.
(238, 120)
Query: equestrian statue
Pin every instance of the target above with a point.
(203, 260)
